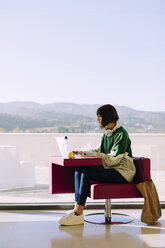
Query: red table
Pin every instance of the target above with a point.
(62, 172)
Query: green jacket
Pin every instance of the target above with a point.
(118, 143)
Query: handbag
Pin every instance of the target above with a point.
(151, 211)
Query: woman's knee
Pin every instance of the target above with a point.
(82, 169)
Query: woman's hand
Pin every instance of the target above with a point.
(78, 152)
(85, 155)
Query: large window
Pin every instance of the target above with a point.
(60, 60)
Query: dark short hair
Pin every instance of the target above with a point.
(108, 114)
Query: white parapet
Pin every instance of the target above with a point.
(39, 147)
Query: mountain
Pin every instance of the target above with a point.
(31, 108)
(71, 117)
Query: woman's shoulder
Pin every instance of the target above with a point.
(121, 130)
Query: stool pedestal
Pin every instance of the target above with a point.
(107, 217)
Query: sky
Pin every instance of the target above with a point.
(90, 51)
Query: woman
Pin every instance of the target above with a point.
(118, 167)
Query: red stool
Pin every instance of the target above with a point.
(110, 191)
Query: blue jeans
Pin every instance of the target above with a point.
(83, 176)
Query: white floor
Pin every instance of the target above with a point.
(40, 229)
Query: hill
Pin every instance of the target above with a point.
(71, 117)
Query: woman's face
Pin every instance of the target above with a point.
(99, 119)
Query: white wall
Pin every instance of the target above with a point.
(39, 147)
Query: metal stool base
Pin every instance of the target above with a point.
(99, 218)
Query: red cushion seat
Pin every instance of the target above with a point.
(114, 191)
